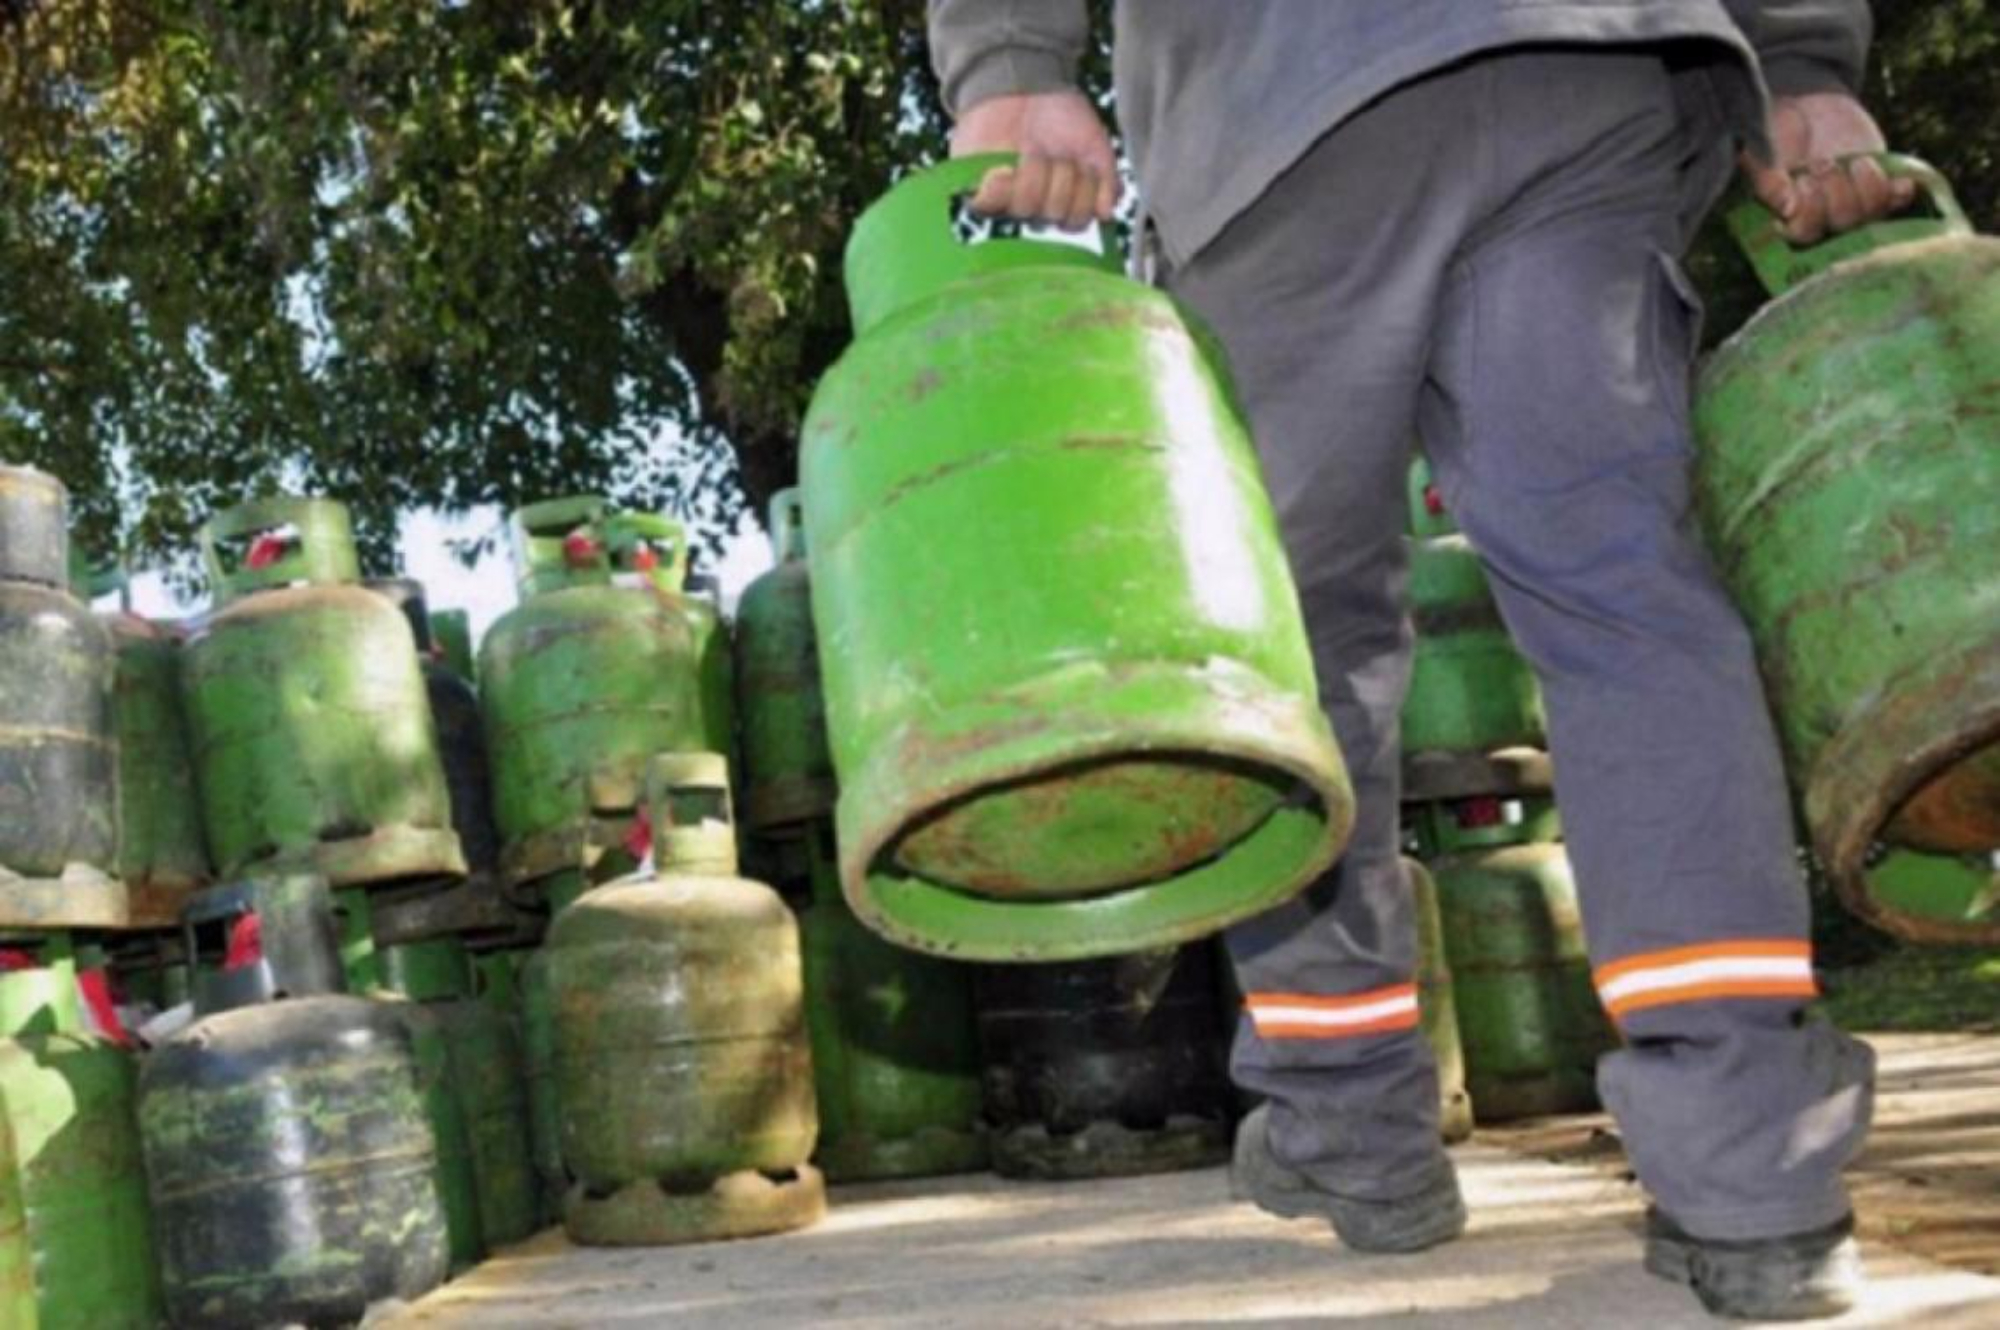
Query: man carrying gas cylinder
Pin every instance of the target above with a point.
(1460, 221)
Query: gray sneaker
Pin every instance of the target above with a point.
(1428, 1216)
(1797, 1277)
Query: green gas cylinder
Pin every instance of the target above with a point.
(314, 745)
(58, 745)
(1437, 1003)
(431, 975)
(1847, 478)
(452, 630)
(787, 771)
(1067, 684)
(894, 1055)
(1528, 1015)
(17, 1253)
(289, 1163)
(67, 1100)
(162, 853)
(485, 1076)
(1471, 691)
(538, 1049)
(682, 1059)
(603, 664)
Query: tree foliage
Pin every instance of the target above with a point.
(425, 252)
(451, 253)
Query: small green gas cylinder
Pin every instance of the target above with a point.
(314, 745)
(66, 1097)
(1068, 688)
(1528, 1015)
(1847, 478)
(894, 1055)
(1471, 691)
(603, 664)
(682, 1058)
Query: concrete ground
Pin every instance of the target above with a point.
(1552, 1245)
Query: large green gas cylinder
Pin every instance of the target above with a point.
(67, 1100)
(894, 1057)
(314, 744)
(787, 771)
(162, 854)
(1848, 480)
(17, 1254)
(58, 749)
(681, 1051)
(1437, 1003)
(602, 665)
(486, 1078)
(1104, 1067)
(288, 1159)
(1528, 1015)
(1067, 685)
(1471, 692)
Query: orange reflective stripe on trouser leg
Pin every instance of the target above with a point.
(1740, 968)
(1310, 1016)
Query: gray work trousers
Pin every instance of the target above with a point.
(1487, 259)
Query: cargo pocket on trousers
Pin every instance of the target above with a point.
(1677, 318)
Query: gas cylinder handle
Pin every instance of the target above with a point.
(625, 533)
(788, 525)
(1780, 265)
(903, 247)
(545, 555)
(693, 818)
(319, 548)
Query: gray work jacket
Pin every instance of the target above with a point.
(1218, 97)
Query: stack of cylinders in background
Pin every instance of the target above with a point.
(66, 1089)
(682, 1061)
(1477, 792)
(894, 1062)
(607, 661)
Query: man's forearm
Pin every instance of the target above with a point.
(1807, 46)
(993, 48)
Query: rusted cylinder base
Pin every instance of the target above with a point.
(1432, 776)
(82, 897)
(580, 845)
(737, 1205)
(157, 901)
(1886, 753)
(933, 1152)
(472, 909)
(386, 855)
(1550, 1095)
(1109, 1150)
